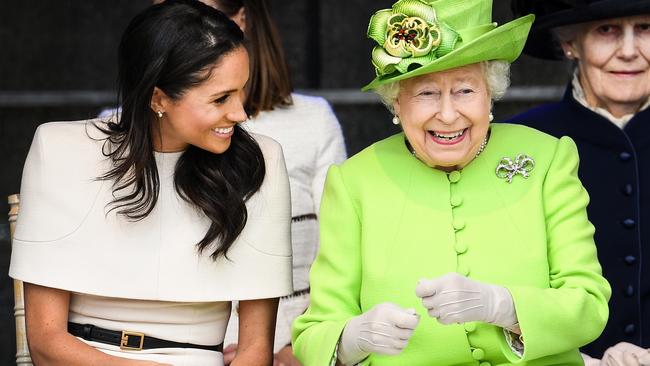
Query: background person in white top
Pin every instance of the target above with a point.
(135, 235)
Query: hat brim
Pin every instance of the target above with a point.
(541, 42)
(502, 43)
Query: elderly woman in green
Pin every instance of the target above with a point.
(455, 242)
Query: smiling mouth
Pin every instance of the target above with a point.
(626, 73)
(223, 130)
(448, 137)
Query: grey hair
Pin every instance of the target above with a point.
(497, 77)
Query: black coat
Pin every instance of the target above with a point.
(615, 170)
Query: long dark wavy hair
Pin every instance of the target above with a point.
(174, 46)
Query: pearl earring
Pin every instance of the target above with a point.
(491, 117)
(396, 120)
(569, 55)
(160, 114)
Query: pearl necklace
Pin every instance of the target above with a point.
(482, 147)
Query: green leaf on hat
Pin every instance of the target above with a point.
(449, 37)
(378, 25)
(415, 8)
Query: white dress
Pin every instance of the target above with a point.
(144, 276)
(311, 139)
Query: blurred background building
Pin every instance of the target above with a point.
(58, 62)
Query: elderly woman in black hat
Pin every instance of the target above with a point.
(605, 111)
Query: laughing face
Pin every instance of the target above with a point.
(445, 115)
(614, 62)
(205, 115)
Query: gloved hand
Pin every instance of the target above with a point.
(626, 354)
(385, 329)
(453, 298)
(589, 361)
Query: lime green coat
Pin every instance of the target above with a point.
(388, 220)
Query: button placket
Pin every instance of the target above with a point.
(458, 223)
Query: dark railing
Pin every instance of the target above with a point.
(334, 96)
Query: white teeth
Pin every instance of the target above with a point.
(223, 130)
(449, 136)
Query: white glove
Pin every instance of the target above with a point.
(626, 354)
(385, 329)
(589, 361)
(453, 298)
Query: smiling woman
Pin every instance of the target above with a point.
(613, 56)
(137, 233)
(460, 99)
(470, 243)
(205, 115)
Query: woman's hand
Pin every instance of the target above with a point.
(385, 329)
(626, 354)
(453, 298)
(589, 361)
(285, 357)
(229, 353)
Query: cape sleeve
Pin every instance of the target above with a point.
(335, 277)
(573, 311)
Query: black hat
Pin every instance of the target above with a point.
(553, 13)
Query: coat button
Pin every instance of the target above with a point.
(630, 259)
(454, 176)
(456, 201)
(628, 190)
(629, 329)
(485, 364)
(478, 354)
(458, 224)
(629, 223)
(469, 327)
(460, 247)
(629, 291)
(625, 156)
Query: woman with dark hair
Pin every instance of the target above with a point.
(605, 110)
(311, 140)
(135, 235)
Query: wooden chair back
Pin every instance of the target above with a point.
(22, 351)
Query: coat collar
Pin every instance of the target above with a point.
(589, 125)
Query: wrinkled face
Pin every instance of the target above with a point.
(614, 60)
(445, 115)
(206, 114)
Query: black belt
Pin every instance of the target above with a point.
(130, 341)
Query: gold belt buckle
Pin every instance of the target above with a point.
(124, 341)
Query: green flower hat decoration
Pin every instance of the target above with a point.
(408, 34)
(417, 37)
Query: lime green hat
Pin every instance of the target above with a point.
(417, 37)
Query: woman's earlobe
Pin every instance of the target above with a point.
(569, 50)
(396, 108)
(157, 100)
